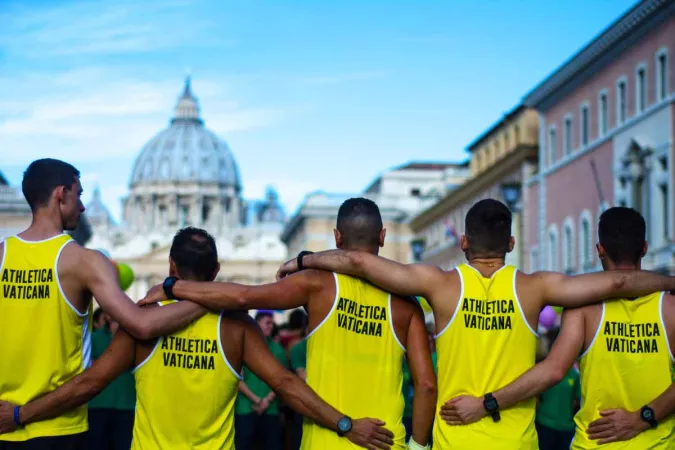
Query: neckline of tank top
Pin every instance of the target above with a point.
(26, 241)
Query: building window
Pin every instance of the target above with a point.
(640, 89)
(585, 240)
(553, 249)
(567, 137)
(603, 115)
(584, 126)
(552, 145)
(184, 210)
(662, 75)
(568, 246)
(621, 101)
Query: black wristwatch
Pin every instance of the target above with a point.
(647, 415)
(301, 255)
(168, 287)
(344, 425)
(491, 406)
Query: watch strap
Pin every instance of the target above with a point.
(168, 284)
(647, 415)
(301, 255)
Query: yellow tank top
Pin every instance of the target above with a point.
(185, 391)
(487, 344)
(627, 365)
(355, 363)
(44, 340)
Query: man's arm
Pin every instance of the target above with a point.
(424, 378)
(291, 292)
(296, 394)
(117, 358)
(391, 276)
(248, 393)
(100, 278)
(580, 290)
(567, 347)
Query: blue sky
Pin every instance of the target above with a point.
(308, 94)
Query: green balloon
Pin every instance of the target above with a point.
(558, 309)
(126, 275)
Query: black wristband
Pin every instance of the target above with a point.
(168, 284)
(647, 415)
(491, 406)
(301, 255)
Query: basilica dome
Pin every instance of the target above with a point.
(186, 152)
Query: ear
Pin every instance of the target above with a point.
(383, 234)
(512, 244)
(601, 250)
(338, 238)
(173, 272)
(215, 272)
(59, 194)
(464, 243)
(644, 250)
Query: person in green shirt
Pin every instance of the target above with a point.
(556, 408)
(257, 408)
(298, 355)
(111, 413)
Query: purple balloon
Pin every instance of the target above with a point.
(547, 317)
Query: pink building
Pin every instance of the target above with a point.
(606, 124)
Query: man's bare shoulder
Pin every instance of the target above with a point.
(78, 258)
(237, 321)
(408, 305)
(668, 308)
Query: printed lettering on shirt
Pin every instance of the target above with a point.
(488, 315)
(624, 337)
(189, 353)
(32, 284)
(361, 319)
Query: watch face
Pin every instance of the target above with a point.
(491, 404)
(344, 424)
(647, 414)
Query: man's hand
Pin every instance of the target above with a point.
(463, 410)
(370, 434)
(287, 268)
(616, 425)
(262, 406)
(156, 294)
(7, 423)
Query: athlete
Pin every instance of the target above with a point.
(486, 315)
(358, 335)
(626, 361)
(47, 282)
(187, 382)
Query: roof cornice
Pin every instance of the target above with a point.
(608, 39)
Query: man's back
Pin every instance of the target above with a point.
(355, 361)
(486, 344)
(44, 339)
(186, 371)
(627, 363)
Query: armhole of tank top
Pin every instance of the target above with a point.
(520, 305)
(391, 323)
(4, 252)
(152, 353)
(58, 281)
(332, 308)
(665, 330)
(220, 348)
(597, 332)
(459, 303)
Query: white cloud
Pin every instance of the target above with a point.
(93, 114)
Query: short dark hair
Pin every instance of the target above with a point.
(194, 253)
(488, 228)
(97, 314)
(297, 319)
(261, 314)
(360, 223)
(43, 176)
(622, 233)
